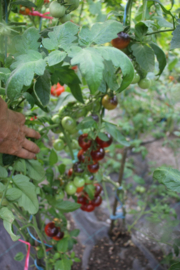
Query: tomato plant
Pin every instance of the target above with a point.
(109, 103)
(57, 10)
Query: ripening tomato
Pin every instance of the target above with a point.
(102, 143)
(84, 142)
(70, 172)
(98, 189)
(98, 154)
(109, 103)
(70, 188)
(79, 189)
(57, 90)
(122, 41)
(33, 118)
(59, 235)
(50, 229)
(97, 201)
(77, 168)
(144, 83)
(88, 207)
(93, 168)
(81, 200)
(75, 68)
(57, 10)
(46, 1)
(24, 10)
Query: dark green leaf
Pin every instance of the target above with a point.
(62, 168)
(42, 88)
(176, 250)
(161, 57)
(62, 245)
(35, 170)
(67, 206)
(64, 264)
(116, 134)
(19, 257)
(140, 30)
(53, 158)
(175, 42)
(74, 233)
(3, 172)
(175, 266)
(90, 189)
(29, 99)
(24, 3)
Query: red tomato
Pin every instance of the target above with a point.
(70, 172)
(79, 189)
(84, 142)
(97, 201)
(98, 154)
(88, 207)
(81, 200)
(57, 90)
(93, 168)
(104, 144)
(59, 235)
(98, 189)
(75, 68)
(122, 41)
(82, 156)
(24, 10)
(33, 118)
(50, 229)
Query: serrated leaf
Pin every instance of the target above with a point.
(119, 59)
(61, 36)
(28, 200)
(144, 56)
(175, 42)
(3, 172)
(63, 264)
(35, 170)
(100, 33)
(169, 177)
(42, 88)
(13, 194)
(116, 134)
(55, 57)
(26, 66)
(161, 57)
(53, 158)
(91, 65)
(67, 206)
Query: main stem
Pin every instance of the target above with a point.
(123, 162)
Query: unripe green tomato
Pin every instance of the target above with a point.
(56, 130)
(58, 145)
(61, 110)
(68, 123)
(136, 78)
(87, 180)
(57, 10)
(70, 188)
(56, 119)
(60, 195)
(74, 144)
(74, 4)
(144, 83)
(65, 18)
(80, 112)
(79, 181)
(61, 136)
(66, 149)
(73, 131)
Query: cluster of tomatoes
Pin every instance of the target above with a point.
(87, 204)
(62, 10)
(52, 231)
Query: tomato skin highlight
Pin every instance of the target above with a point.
(87, 208)
(98, 154)
(93, 168)
(104, 144)
(84, 143)
(50, 229)
(97, 201)
(121, 42)
(59, 235)
(109, 103)
(98, 189)
(77, 168)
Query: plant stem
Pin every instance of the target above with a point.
(144, 10)
(123, 162)
(106, 197)
(160, 31)
(80, 13)
(136, 220)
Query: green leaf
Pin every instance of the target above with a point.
(26, 66)
(19, 256)
(49, 175)
(144, 56)
(64, 264)
(4, 74)
(140, 30)
(67, 206)
(55, 57)
(176, 250)
(119, 59)
(175, 266)
(2, 187)
(74, 233)
(63, 100)
(91, 65)
(62, 245)
(87, 122)
(35, 170)
(62, 168)
(13, 194)
(29, 99)
(172, 64)
(116, 134)
(163, 8)
(42, 88)
(28, 200)
(100, 33)
(161, 57)
(90, 189)
(24, 3)
(175, 42)
(94, 7)
(77, 260)
(61, 36)
(138, 180)
(169, 177)
(103, 136)
(110, 76)
(3, 172)
(8, 219)
(20, 166)
(53, 158)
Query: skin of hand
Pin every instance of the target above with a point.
(13, 134)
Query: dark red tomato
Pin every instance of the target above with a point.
(98, 154)
(97, 201)
(50, 229)
(122, 41)
(82, 156)
(59, 235)
(77, 168)
(57, 90)
(104, 144)
(75, 68)
(33, 118)
(98, 189)
(109, 103)
(84, 142)
(70, 172)
(81, 200)
(93, 168)
(88, 207)
(79, 189)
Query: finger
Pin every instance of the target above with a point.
(30, 146)
(31, 133)
(23, 153)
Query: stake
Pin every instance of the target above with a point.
(118, 191)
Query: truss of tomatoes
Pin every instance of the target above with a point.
(52, 231)
(57, 90)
